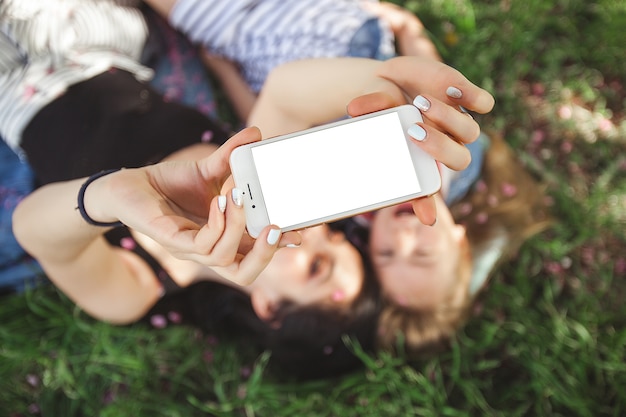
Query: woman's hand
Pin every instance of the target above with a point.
(178, 204)
(441, 93)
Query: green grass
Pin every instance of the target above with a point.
(548, 337)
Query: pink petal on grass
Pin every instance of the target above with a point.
(208, 356)
(33, 380)
(508, 190)
(481, 218)
(566, 147)
(158, 321)
(537, 137)
(465, 209)
(565, 112)
(175, 317)
(481, 186)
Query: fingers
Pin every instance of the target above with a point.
(442, 122)
(219, 239)
(248, 267)
(470, 97)
(458, 125)
(245, 136)
(219, 242)
(254, 262)
(449, 152)
(217, 164)
(420, 75)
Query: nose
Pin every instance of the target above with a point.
(408, 239)
(406, 243)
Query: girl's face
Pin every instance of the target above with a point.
(416, 264)
(324, 269)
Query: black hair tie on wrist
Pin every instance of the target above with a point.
(81, 200)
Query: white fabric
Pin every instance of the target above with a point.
(485, 259)
(48, 45)
(261, 34)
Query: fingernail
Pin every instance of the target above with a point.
(273, 236)
(292, 245)
(237, 197)
(421, 103)
(454, 92)
(221, 203)
(417, 132)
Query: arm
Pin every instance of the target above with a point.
(105, 282)
(241, 96)
(174, 203)
(305, 93)
(286, 103)
(408, 30)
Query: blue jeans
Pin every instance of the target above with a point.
(17, 269)
(370, 42)
(461, 184)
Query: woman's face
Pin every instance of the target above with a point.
(324, 269)
(416, 264)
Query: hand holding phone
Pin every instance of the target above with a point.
(333, 171)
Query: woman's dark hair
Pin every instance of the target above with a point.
(308, 343)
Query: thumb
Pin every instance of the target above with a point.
(426, 210)
(217, 164)
(372, 102)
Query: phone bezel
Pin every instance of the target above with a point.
(246, 178)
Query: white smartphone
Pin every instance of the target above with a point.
(333, 171)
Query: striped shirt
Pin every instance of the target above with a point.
(261, 34)
(49, 45)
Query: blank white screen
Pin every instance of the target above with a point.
(335, 170)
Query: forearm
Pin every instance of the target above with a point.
(241, 97)
(411, 36)
(231, 81)
(306, 93)
(75, 256)
(48, 226)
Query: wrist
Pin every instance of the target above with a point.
(85, 202)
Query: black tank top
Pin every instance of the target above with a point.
(121, 237)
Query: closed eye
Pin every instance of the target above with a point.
(383, 256)
(321, 268)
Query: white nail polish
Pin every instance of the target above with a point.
(454, 92)
(237, 196)
(292, 245)
(417, 132)
(221, 203)
(273, 236)
(421, 103)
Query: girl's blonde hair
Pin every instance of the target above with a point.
(506, 199)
